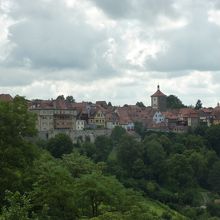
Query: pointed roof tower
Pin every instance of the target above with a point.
(158, 92)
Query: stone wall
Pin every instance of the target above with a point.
(76, 135)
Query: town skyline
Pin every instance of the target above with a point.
(146, 102)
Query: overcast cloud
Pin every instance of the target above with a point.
(111, 50)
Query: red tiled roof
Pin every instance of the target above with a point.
(158, 93)
(188, 112)
(170, 115)
(5, 97)
(123, 115)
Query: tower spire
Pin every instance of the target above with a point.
(158, 86)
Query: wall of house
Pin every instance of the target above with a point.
(158, 117)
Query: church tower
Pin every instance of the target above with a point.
(159, 100)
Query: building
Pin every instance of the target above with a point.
(158, 117)
(80, 125)
(5, 98)
(53, 116)
(159, 100)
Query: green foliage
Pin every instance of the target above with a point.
(87, 148)
(117, 133)
(128, 151)
(179, 173)
(59, 145)
(214, 209)
(95, 192)
(213, 138)
(60, 97)
(79, 165)
(16, 152)
(173, 102)
(214, 177)
(103, 146)
(176, 169)
(70, 99)
(139, 128)
(199, 165)
(53, 188)
(16, 121)
(140, 104)
(19, 207)
(198, 104)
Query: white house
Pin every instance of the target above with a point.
(158, 117)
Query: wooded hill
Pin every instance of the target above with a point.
(163, 176)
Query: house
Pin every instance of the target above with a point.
(5, 98)
(205, 116)
(102, 104)
(80, 125)
(97, 118)
(158, 117)
(124, 120)
(188, 117)
(112, 120)
(53, 115)
(171, 118)
(216, 115)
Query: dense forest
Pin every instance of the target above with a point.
(162, 176)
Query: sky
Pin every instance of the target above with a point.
(111, 50)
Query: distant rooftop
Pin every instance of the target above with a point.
(158, 92)
(5, 97)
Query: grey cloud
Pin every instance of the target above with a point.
(48, 36)
(15, 77)
(144, 10)
(193, 47)
(52, 44)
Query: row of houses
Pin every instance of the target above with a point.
(63, 115)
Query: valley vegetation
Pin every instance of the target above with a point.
(162, 176)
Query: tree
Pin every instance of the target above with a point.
(109, 104)
(128, 151)
(117, 133)
(154, 156)
(140, 104)
(70, 99)
(139, 128)
(199, 165)
(179, 173)
(214, 177)
(173, 102)
(213, 138)
(16, 152)
(19, 207)
(59, 145)
(60, 97)
(95, 190)
(103, 147)
(198, 104)
(53, 187)
(79, 165)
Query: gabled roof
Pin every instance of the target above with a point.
(158, 92)
(188, 112)
(5, 97)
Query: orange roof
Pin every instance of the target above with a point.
(188, 112)
(158, 92)
(170, 115)
(5, 97)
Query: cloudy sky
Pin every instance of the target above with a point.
(111, 50)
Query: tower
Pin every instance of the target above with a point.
(159, 100)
